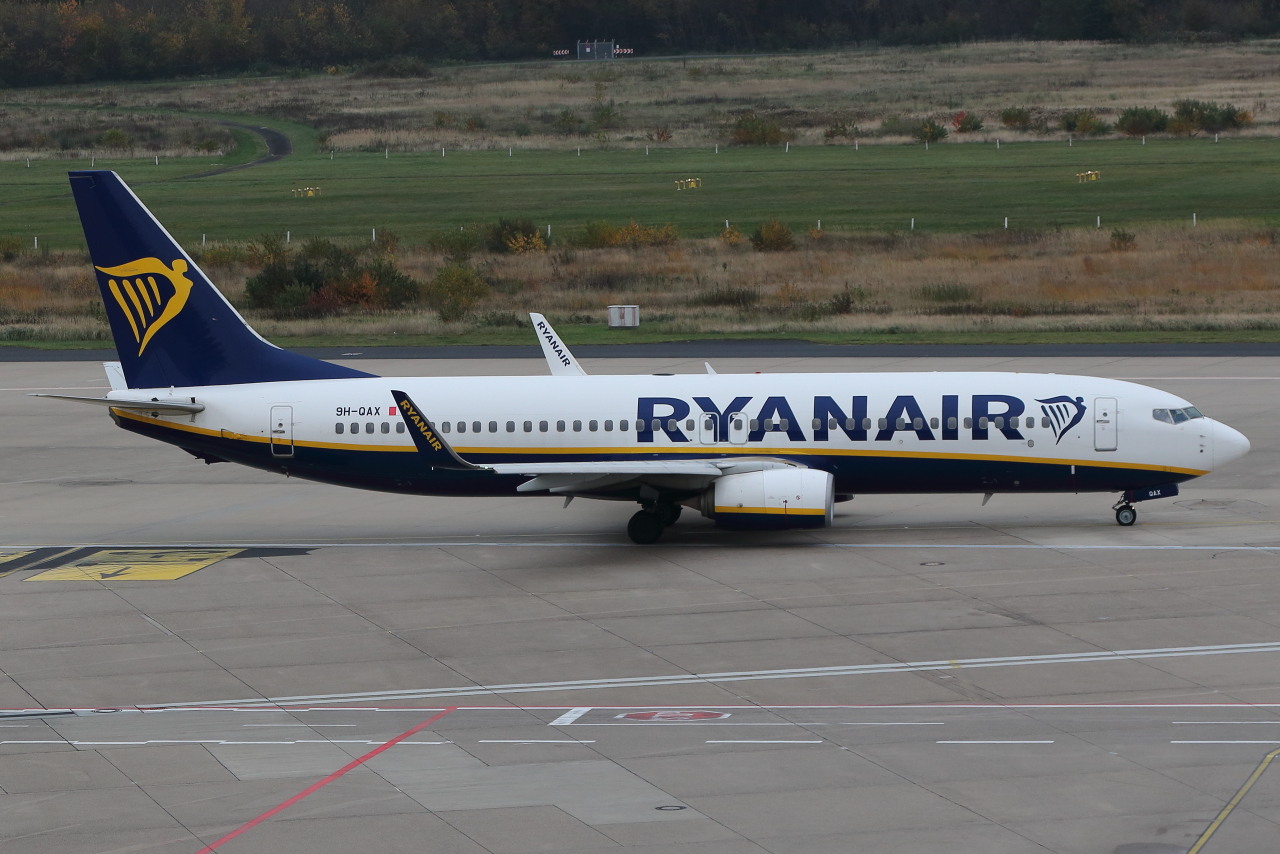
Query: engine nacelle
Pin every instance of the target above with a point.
(773, 498)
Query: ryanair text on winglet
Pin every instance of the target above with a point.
(545, 332)
(406, 406)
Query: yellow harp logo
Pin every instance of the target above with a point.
(149, 304)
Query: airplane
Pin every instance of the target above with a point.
(749, 451)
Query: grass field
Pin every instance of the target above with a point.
(954, 187)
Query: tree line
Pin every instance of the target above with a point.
(44, 42)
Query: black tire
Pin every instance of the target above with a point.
(1126, 516)
(668, 513)
(644, 528)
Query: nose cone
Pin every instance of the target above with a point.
(1229, 444)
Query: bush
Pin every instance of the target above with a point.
(567, 122)
(898, 126)
(1083, 122)
(11, 247)
(1017, 118)
(602, 234)
(731, 236)
(325, 277)
(1121, 240)
(1208, 116)
(661, 133)
(930, 131)
(508, 233)
(750, 129)
(772, 236)
(454, 291)
(223, 255)
(605, 115)
(846, 300)
(966, 123)
(458, 246)
(115, 138)
(1142, 121)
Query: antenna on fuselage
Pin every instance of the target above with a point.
(559, 359)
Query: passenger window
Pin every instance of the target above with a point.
(559, 426)
(688, 425)
(623, 425)
(528, 426)
(917, 424)
(1013, 422)
(884, 423)
(400, 427)
(593, 426)
(817, 424)
(386, 427)
(462, 426)
(355, 428)
(1162, 415)
(445, 426)
(951, 423)
(657, 424)
(784, 424)
(933, 423)
(1044, 421)
(368, 427)
(849, 423)
(577, 426)
(542, 426)
(671, 425)
(511, 426)
(608, 426)
(1178, 416)
(493, 426)
(755, 424)
(999, 422)
(475, 426)
(982, 423)
(866, 424)
(968, 423)
(339, 428)
(901, 424)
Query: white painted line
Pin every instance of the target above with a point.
(1224, 742)
(570, 716)
(751, 675)
(532, 741)
(629, 545)
(1010, 741)
(1225, 722)
(303, 726)
(771, 723)
(216, 741)
(14, 726)
(761, 741)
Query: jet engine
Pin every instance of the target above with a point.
(774, 498)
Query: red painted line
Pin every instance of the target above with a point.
(315, 787)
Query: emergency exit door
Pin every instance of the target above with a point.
(1105, 424)
(282, 431)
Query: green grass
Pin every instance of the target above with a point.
(951, 187)
(584, 335)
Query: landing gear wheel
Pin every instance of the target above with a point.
(1126, 515)
(668, 513)
(644, 528)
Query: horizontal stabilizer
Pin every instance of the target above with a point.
(427, 438)
(154, 405)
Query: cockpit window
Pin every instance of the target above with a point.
(1176, 416)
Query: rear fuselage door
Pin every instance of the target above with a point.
(1105, 424)
(282, 431)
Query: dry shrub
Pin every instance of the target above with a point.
(731, 236)
(772, 236)
(601, 234)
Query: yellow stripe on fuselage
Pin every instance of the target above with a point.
(774, 511)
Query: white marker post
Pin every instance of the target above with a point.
(386, 154)
(1144, 140)
(717, 148)
(997, 145)
(442, 151)
(726, 225)
(288, 236)
(579, 150)
(548, 231)
(926, 145)
(157, 159)
(1006, 222)
(92, 160)
(331, 154)
(1099, 225)
(202, 239)
(509, 154)
(37, 244)
(1193, 220)
(374, 237)
(646, 151)
(788, 151)
(913, 223)
(855, 145)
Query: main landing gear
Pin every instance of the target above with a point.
(1125, 514)
(647, 525)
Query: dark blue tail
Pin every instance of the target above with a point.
(171, 325)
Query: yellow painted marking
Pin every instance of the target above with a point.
(13, 556)
(133, 298)
(1231, 805)
(146, 297)
(955, 665)
(696, 450)
(136, 565)
(115, 292)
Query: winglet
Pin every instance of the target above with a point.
(559, 359)
(429, 441)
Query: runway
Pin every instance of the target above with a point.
(198, 658)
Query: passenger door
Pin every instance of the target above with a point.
(1105, 424)
(282, 431)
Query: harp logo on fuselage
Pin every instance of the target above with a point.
(148, 304)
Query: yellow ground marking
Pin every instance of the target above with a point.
(136, 565)
(1231, 805)
(13, 556)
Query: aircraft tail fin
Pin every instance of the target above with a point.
(171, 326)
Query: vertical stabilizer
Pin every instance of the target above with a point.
(171, 325)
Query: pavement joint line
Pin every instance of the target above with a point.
(1272, 741)
(995, 742)
(756, 675)
(762, 741)
(532, 741)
